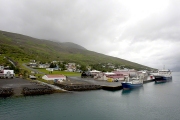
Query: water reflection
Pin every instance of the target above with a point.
(163, 82)
(125, 92)
(111, 90)
(128, 91)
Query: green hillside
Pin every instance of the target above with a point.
(21, 48)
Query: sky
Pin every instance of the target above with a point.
(142, 31)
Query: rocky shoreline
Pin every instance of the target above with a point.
(6, 92)
(23, 87)
(78, 87)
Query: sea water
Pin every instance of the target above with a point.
(151, 102)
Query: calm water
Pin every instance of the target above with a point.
(152, 102)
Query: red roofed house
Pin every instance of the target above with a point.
(115, 75)
(107, 75)
(54, 77)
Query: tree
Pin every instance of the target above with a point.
(83, 68)
(25, 74)
(17, 70)
(52, 65)
(62, 66)
(11, 67)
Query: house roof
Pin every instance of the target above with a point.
(95, 71)
(55, 76)
(124, 72)
(116, 76)
(109, 73)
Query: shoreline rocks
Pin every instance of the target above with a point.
(78, 87)
(6, 92)
(26, 91)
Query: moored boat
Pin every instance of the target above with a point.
(163, 76)
(131, 83)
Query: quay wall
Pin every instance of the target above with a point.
(6, 92)
(78, 87)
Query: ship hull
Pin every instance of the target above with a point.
(163, 78)
(131, 86)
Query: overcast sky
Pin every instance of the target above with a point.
(141, 31)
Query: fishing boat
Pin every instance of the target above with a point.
(163, 76)
(131, 83)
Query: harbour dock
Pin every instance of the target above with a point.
(104, 84)
(22, 87)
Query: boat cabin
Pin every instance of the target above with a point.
(164, 72)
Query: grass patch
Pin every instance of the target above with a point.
(60, 72)
(46, 81)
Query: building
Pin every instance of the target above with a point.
(54, 77)
(94, 72)
(71, 64)
(7, 74)
(71, 67)
(32, 77)
(50, 69)
(118, 75)
(33, 65)
(53, 69)
(1, 68)
(109, 75)
(145, 75)
(128, 72)
(44, 65)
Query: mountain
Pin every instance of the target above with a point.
(23, 48)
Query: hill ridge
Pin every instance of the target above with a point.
(22, 47)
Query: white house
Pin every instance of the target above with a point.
(71, 64)
(7, 74)
(100, 76)
(71, 67)
(1, 68)
(53, 69)
(44, 65)
(54, 77)
(55, 61)
(33, 65)
(50, 69)
(94, 72)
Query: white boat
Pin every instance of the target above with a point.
(163, 76)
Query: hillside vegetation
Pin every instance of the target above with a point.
(21, 48)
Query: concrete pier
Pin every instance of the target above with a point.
(90, 81)
(104, 84)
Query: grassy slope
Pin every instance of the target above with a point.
(61, 72)
(23, 48)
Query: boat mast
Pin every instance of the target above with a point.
(128, 75)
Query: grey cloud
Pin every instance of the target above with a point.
(67, 20)
(157, 26)
(96, 25)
